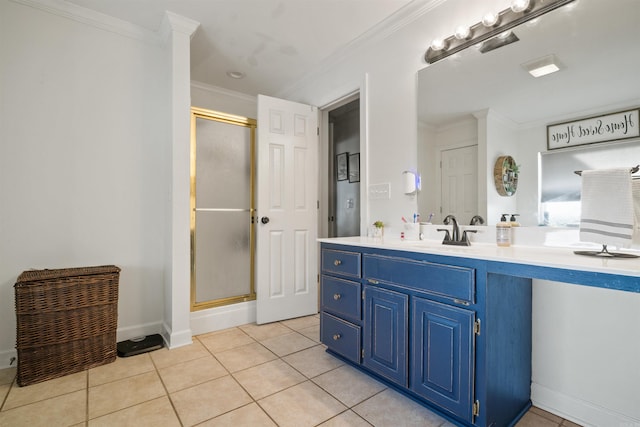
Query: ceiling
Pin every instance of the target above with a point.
(273, 43)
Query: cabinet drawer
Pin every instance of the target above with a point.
(341, 262)
(342, 297)
(431, 278)
(340, 336)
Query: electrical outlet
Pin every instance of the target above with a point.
(380, 191)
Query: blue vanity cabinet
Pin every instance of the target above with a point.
(386, 333)
(341, 303)
(443, 355)
(418, 331)
(453, 333)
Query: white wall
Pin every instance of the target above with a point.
(83, 148)
(223, 100)
(501, 140)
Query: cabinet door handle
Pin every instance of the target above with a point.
(373, 282)
(336, 337)
(337, 262)
(337, 296)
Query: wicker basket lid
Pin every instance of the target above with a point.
(37, 275)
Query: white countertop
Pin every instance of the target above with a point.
(541, 256)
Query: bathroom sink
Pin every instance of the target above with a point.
(437, 246)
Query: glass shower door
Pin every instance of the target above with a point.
(222, 207)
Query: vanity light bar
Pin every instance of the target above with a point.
(505, 20)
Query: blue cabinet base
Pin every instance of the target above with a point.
(453, 334)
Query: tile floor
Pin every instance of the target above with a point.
(271, 375)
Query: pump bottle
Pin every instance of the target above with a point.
(503, 232)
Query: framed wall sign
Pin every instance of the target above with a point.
(342, 168)
(354, 167)
(591, 130)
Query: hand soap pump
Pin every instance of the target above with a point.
(503, 232)
(514, 222)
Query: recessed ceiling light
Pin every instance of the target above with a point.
(235, 74)
(543, 66)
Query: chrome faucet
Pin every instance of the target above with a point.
(454, 238)
(477, 219)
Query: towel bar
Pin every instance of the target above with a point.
(633, 170)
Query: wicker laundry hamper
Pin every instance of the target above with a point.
(66, 321)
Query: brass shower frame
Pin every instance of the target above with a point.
(202, 113)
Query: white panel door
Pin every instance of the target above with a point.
(286, 250)
(459, 183)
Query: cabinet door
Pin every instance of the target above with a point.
(386, 331)
(443, 355)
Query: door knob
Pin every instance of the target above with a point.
(264, 220)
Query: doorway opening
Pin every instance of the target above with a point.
(344, 170)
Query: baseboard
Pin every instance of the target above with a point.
(175, 339)
(228, 316)
(577, 410)
(144, 329)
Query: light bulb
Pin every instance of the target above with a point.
(490, 19)
(462, 32)
(438, 44)
(520, 5)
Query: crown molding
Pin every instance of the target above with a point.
(222, 91)
(94, 19)
(383, 30)
(172, 22)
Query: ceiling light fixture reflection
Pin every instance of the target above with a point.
(519, 12)
(543, 66)
(236, 74)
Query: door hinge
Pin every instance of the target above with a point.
(318, 203)
(362, 294)
(476, 408)
(476, 327)
(318, 279)
(318, 131)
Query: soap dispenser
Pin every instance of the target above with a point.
(513, 221)
(503, 232)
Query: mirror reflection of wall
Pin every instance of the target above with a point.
(490, 101)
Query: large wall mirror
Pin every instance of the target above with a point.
(491, 102)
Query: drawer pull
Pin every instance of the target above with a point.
(337, 296)
(337, 262)
(373, 282)
(336, 337)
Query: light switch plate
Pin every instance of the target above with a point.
(380, 191)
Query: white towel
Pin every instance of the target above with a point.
(607, 207)
(635, 193)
